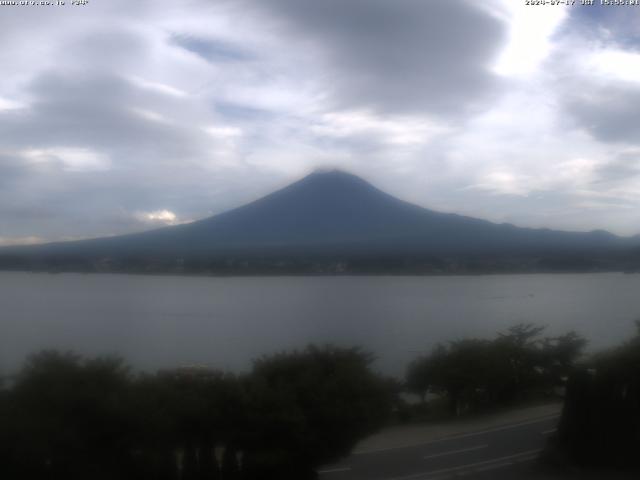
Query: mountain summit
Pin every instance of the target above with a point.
(331, 213)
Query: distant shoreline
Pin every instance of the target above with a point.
(322, 274)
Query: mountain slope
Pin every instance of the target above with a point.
(334, 213)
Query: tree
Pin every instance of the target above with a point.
(68, 418)
(420, 377)
(474, 372)
(182, 415)
(559, 357)
(600, 423)
(311, 407)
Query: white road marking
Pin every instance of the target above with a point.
(549, 432)
(491, 464)
(462, 435)
(499, 429)
(453, 452)
(334, 470)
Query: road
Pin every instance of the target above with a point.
(500, 452)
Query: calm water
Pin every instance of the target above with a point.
(225, 322)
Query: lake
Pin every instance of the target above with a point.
(165, 321)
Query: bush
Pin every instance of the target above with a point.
(475, 373)
(600, 424)
(313, 406)
(71, 418)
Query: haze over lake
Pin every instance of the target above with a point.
(165, 321)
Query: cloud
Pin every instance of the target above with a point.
(157, 87)
(617, 65)
(9, 104)
(608, 111)
(12, 169)
(106, 115)
(5, 241)
(72, 159)
(237, 112)
(530, 36)
(122, 114)
(399, 132)
(596, 76)
(614, 24)
(624, 167)
(402, 56)
(162, 217)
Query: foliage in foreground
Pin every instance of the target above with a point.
(69, 418)
(517, 365)
(600, 424)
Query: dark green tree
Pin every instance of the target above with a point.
(600, 423)
(311, 407)
(69, 418)
(475, 373)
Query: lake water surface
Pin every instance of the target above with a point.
(161, 321)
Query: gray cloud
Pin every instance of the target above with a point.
(237, 112)
(608, 112)
(400, 56)
(623, 167)
(150, 163)
(98, 111)
(12, 171)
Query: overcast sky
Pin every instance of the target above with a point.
(122, 115)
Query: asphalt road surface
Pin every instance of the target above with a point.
(502, 452)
